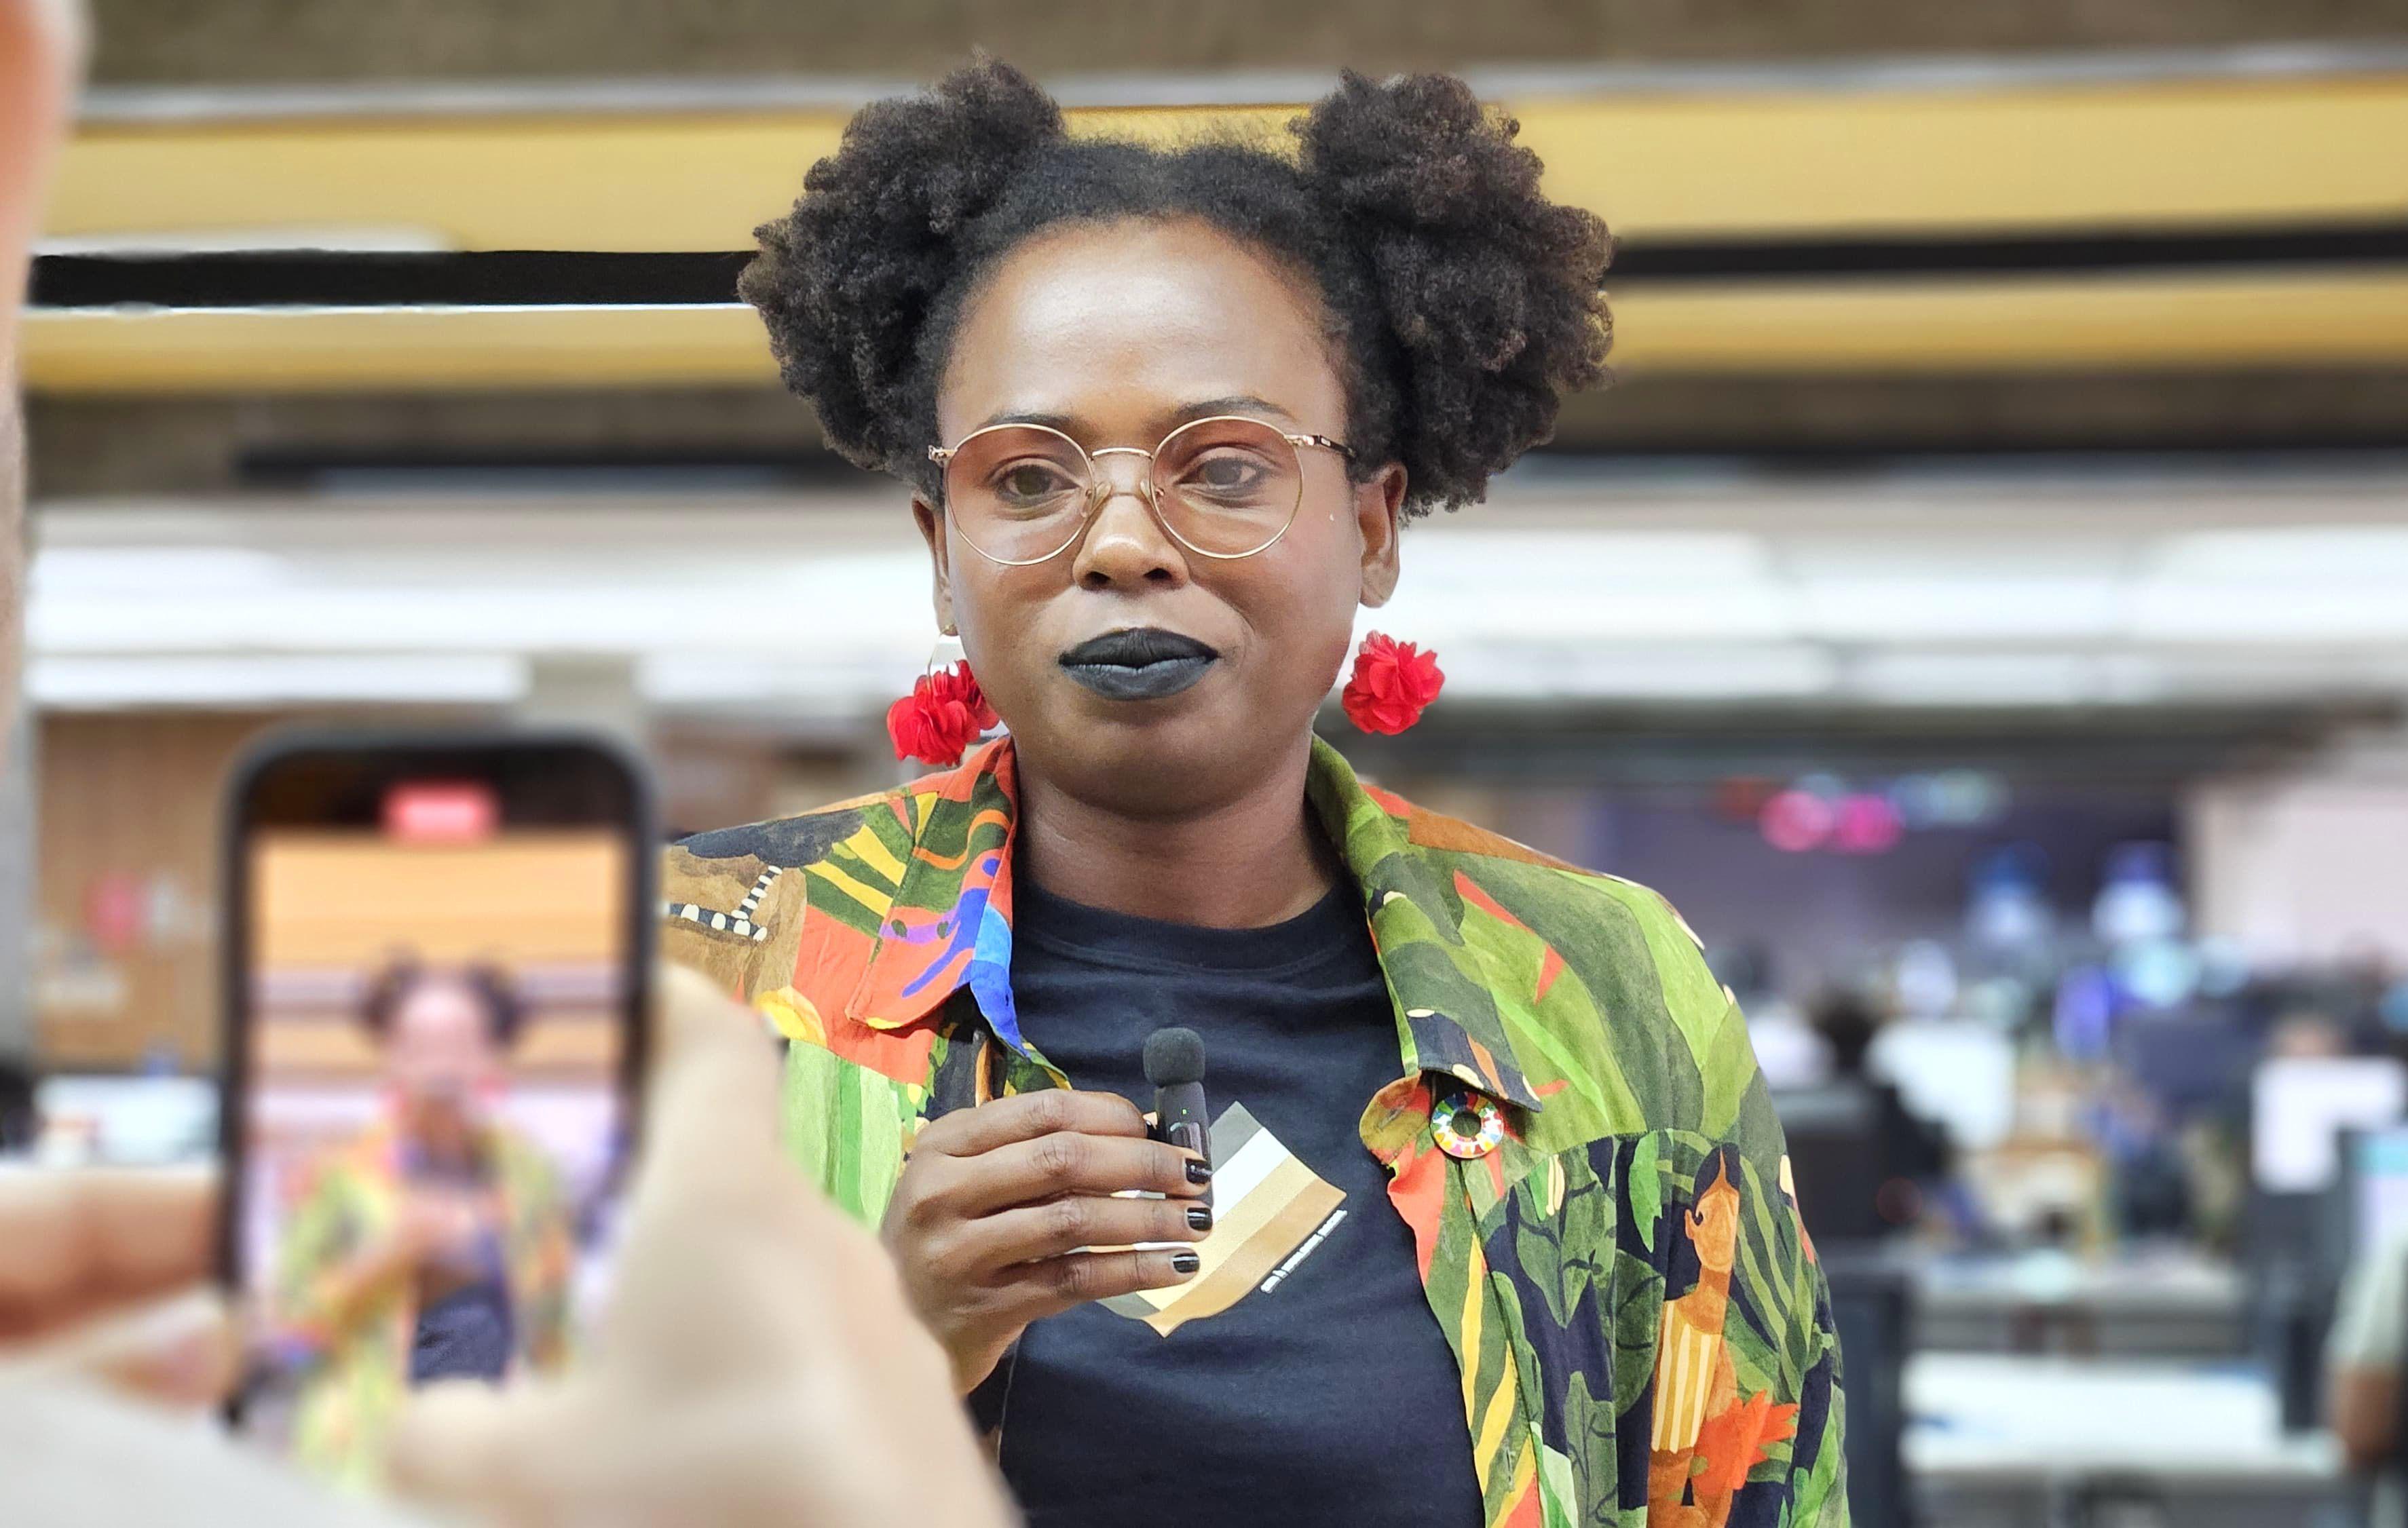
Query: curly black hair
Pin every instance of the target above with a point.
(1461, 302)
(496, 993)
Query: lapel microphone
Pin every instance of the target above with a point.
(1174, 1063)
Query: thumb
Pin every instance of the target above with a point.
(713, 1096)
(462, 1444)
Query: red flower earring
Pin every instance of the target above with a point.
(942, 716)
(1393, 683)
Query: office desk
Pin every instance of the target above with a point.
(2171, 1305)
(2007, 1441)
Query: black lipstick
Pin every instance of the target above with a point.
(1145, 663)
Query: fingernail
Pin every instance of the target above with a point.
(1185, 1263)
(1198, 1170)
(1201, 1217)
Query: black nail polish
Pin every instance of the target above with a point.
(1185, 1263)
(1198, 1170)
(1201, 1217)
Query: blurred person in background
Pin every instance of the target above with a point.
(1162, 413)
(2365, 1354)
(2149, 1191)
(2303, 1032)
(1913, 1149)
(759, 1366)
(1909, 1155)
(437, 1245)
(1788, 1051)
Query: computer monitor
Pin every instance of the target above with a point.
(2300, 1105)
(2190, 1062)
(1835, 1160)
(125, 1118)
(1957, 1072)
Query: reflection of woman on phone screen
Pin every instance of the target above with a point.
(436, 1245)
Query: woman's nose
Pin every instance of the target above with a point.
(1124, 543)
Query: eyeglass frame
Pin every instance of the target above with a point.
(1100, 488)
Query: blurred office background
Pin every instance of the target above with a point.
(1982, 604)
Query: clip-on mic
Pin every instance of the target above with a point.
(1174, 1063)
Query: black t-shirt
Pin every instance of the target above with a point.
(1326, 1392)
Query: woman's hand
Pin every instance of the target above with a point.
(442, 1230)
(433, 1230)
(436, 1225)
(995, 1201)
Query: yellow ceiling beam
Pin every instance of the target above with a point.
(2132, 155)
(2133, 322)
(2026, 323)
(1664, 165)
(403, 349)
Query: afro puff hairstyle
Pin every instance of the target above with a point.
(1461, 304)
(389, 988)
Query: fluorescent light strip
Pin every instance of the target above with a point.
(64, 683)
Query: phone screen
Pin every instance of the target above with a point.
(436, 1004)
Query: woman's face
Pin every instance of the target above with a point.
(439, 1054)
(1713, 1225)
(1115, 333)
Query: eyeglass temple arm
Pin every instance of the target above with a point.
(1324, 443)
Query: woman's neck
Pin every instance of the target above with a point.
(1254, 861)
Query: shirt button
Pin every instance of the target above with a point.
(1466, 1124)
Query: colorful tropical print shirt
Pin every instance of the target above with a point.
(1644, 1334)
(355, 1375)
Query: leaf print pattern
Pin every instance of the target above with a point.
(1645, 1336)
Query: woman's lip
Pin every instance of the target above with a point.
(1135, 647)
(1144, 663)
(1140, 681)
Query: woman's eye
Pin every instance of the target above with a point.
(1029, 481)
(1228, 475)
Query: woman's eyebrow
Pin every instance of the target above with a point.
(1203, 408)
(1235, 404)
(1027, 416)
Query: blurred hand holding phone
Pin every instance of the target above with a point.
(755, 1361)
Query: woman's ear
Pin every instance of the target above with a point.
(931, 522)
(1379, 512)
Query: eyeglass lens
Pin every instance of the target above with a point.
(1224, 487)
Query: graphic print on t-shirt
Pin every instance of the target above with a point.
(1266, 1205)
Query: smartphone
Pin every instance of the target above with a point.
(436, 951)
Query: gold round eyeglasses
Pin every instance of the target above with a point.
(1224, 487)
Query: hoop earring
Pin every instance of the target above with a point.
(1393, 683)
(943, 715)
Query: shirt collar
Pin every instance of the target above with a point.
(949, 924)
(1444, 984)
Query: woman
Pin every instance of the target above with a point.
(437, 1244)
(1501, 1230)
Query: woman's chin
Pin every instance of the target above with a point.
(1149, 757)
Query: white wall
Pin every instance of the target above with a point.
(2310, 865)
